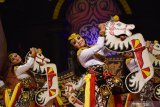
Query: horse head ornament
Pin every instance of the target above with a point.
(50, 89)
(114, 30)
(40, 58)
(70, 92)
(154, 51)
(156, 48)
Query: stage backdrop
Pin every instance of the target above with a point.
(85, 15)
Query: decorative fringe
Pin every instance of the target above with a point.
(87, 90)
(118, 100)
(111, 102)
(7, 97)
(59, 100)
(92, 91)
(55, 102)
(128, 100)
(10, 102)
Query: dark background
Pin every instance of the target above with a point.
(29, 23)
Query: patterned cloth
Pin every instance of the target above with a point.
(105, 83)
(27, 93)
(101, 75)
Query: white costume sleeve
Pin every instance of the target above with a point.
(25, 67)
(87, 53)
(1, 83)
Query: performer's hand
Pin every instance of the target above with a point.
(102, 29)
(157, 56)
(33, 52)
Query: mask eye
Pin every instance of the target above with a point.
(118, 24)
(39, 54)
(157, 46)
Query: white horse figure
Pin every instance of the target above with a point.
(154, 49)
(133, 42)
(50, 88)
(40, 60)
(70, 89)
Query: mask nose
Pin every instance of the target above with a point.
(130, 26)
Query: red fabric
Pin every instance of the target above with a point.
(128, 102)
(55, 102)
(11, 80)
(138, 53)
(118, 101)
(92, 91)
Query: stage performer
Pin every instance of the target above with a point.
(23, 94)
(93, 58)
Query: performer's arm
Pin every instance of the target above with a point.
(87, 53)
(23, 68)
